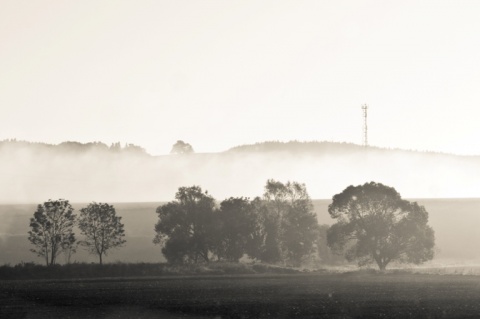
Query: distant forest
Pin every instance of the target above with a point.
(302, 147)
(82, 171)
(70, 146)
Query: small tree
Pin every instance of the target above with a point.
(186, 226)
(52, 229)
(102, 228)
(180, 147)
(374, 224)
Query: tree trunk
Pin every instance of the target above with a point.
(100, 255)
(52, 258)
(382, 264)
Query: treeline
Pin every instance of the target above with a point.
(278, 228)
(299, 147)
(373, 225)
(181, 147)
(324, 147)
(76, 147)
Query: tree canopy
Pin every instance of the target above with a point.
(235, 223)
(280, 228)
(180, 147)
(291, 226)
(102, 228)
(185, 226)
(375, 225)
(52, 229)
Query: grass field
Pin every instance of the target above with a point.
(312, 295)
(455, 222)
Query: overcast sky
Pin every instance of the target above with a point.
(217, 74)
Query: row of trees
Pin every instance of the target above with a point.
(52, 230)
(373, 225)
(77, 147)
(281, 227)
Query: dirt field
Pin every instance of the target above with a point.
(313, 295)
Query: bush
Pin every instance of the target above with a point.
(83, 270)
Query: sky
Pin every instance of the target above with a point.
(217, 74)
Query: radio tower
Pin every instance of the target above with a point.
(365, 128)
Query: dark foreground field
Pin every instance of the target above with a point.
(353, 295)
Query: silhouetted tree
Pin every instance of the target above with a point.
(374, 224)
(235, 222)
(290, 224)
(52, 229)
(102, 228)
(186, 226)
(116, 147)
(255, 246)
(132, 148)
(180, 147)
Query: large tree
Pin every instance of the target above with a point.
(52, 229)
(186, 226)
(375, 225)
(102, 228)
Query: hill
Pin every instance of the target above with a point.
(32, 173)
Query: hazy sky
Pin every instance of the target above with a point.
(222, 73)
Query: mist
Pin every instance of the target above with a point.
(32, 174)
(35, 174)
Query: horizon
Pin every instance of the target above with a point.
(368, 147)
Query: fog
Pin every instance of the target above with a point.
(453, 220)
(36, 174)
(32, 174)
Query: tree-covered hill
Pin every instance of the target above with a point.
(34, 172)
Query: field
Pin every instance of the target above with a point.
(455, 222)
(447, 287)
(309, 295)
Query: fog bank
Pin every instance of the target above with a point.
(31, 175)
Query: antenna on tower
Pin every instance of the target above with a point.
(365, 128)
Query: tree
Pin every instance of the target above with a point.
(180, 147)
(374, 224)
(235, 222)
(255, 246)
(186, 226)
(52, 229)
(102, 228)
(325, 255)
(290, 224)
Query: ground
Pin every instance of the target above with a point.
(312, 295)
